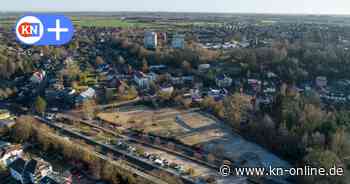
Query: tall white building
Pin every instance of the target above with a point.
(150, 40)
(178, 41)
(143, 80)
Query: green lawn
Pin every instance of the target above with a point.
(109, 23)
(197, 23)
(7, 23)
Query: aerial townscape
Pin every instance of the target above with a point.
(168, 98)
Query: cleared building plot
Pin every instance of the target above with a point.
(195, 129)
(161, 122)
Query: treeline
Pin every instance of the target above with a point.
(27, 129)
(297, 129)
(294, 62)
(12, 62)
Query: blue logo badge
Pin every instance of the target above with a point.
(42, 29)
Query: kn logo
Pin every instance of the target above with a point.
(44, 29)
(29, 30)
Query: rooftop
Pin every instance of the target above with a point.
(18, 165)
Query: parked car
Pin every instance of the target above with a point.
(146, 155)
(166, 163)
(50, 116)
(173, 165)
(159, 162)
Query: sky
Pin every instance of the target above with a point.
(224, 6)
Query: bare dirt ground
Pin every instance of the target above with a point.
(196, 128)
(161, 122)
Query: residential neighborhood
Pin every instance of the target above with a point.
(170, 98)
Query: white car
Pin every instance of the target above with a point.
(50, 116)
(159, 162)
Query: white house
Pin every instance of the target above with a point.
(203, 67)
(181, 80)
(89, 93)
(167, 89)
(150, 40)
(217, 93)
(4, 114)
(223, 81)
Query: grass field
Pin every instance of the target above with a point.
(91, 22)
(7, 23)
(94, 22)
(115, 22)
(198, 23)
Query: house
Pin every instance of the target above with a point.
(167, 89)
(269, 90)
(244, 44)
(150, 40)
(68, 61)
(223, 81)
(31, 171)
(57, 178)
(269, 87)
(144, 80)
(321, 81)
(6, 120)
(203, 67)
(10, 153)
(217, 94)
(38, 76)
(195, 95)
(90, 93)
(7, 123)
(4, 114)
(176, 80)
(254, 84)
(48, 180)
(181, 80)
(271, 75)
(16, 169)
(157, 68)
(178, 41)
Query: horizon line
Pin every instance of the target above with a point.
(186, 12)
